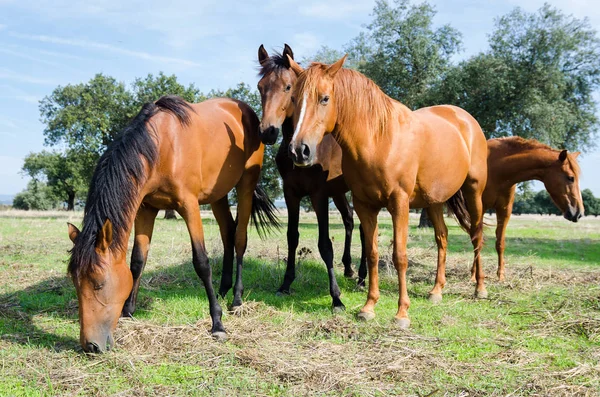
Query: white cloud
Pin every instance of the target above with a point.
(104, 47)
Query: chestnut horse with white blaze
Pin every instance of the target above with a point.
(173, 155)
(392, 158)
(320, 182)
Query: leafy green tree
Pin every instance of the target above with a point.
(63, 173)
(536, 80)
(403, 52)
(590, 203)
(37, 196)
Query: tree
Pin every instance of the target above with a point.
(37, 196)
(403, 53)
(535, 81)
(590, 203)
(63, 173)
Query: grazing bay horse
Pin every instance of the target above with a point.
(513, 160)
(392, 158)
(173, 155)
(321, 181)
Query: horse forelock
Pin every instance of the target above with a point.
(358, 99)
(273, 64)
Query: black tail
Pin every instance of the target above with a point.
(263, 213)
(457, 206)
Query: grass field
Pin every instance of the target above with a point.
(537, 334)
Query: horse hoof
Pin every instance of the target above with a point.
(220, 336)
(365, 316)
(402, 323)
(473, 279)
(435, 298)
(338, 309)
(349, 274)
(481, 294)
(501, 277)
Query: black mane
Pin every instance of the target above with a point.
(118, 177)
(274, 63)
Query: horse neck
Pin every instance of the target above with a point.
(524, 165)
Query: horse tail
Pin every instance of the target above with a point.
(263, 213)
(457, 206)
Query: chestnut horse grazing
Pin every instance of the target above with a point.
(173, 155)
(513, 160)
(392, 157)
(321, 181)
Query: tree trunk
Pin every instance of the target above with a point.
(71, 202)
(170, 214)
(424, 221)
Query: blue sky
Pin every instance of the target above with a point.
(210, 43)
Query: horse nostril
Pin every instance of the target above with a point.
(92, 347)
(292, 152)
(305, 151)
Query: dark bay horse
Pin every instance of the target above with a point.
(392, 157)
(513, 160)
(173, 155)
(321, 181)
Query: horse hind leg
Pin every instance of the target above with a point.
(436, 215)
(343, 206)
(245, 190)
(227, 230)
(190, 212)
(472, 191)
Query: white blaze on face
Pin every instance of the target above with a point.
(301, 118)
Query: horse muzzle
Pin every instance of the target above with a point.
(269, 135)
(573, 215)
(301, 154)
(98, 345)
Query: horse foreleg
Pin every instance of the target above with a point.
(399, 209)
(436, 215)
(226, 223)
(503, 212)
(321, 203)
(144, 225)
(292, 203)
(368, 221)
(343, 206)
(190, 212)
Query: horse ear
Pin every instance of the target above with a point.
(575, 154)
(287, 50)
(334, 68)
(294, 66)
(105, 236)
(263, 55)
(562, 156)
(73, 232)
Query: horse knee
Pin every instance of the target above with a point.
(201, 265)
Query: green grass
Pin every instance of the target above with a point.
(537, 334)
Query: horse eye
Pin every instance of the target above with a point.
(98, 286)
(571, 178)
(288, 87)
(325, 100)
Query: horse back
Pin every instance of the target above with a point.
(207, 157)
